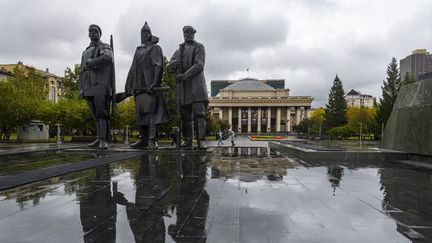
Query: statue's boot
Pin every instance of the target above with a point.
(152, 137)
(103, 134)
(187, 135)
(142, 142)
(95, 143)
(201, 133)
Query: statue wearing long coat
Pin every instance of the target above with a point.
(146, 72)
(193, 88)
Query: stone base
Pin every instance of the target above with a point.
(409, 127)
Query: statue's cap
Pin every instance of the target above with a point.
(188, 27)
(96, 27)
(146, 27)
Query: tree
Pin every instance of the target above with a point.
(409, 78)
(70, 82)
(390, 90)
(22, 95)
(169, 80)
(361, 116)
(336, 107)
(303, 127)
(317, 119)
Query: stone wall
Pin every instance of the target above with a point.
(409, 127)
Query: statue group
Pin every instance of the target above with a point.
(97, 86)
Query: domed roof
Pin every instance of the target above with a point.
(249, 84)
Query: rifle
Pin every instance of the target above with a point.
(121, 96)
(178, 91)
(113, 86)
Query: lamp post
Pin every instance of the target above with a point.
(126, 141)
(361, 128)
(59, 140)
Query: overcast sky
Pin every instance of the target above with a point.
(305, 42)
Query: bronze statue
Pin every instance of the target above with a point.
(144, 82)
(188, 63)
(97, 83)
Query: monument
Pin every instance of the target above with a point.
(409, 127)
(96, 84)
(144, 82)
(188, 65)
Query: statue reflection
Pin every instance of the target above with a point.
(193, 201)
(98, 210)
(146, 214)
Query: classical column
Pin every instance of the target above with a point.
(249, 119)
(259, 120)
(303, 113)
(278, 119)
(230, 117)
(220, 113)
(239, 120)
(288, 119)
(268, 119)
(297, 115)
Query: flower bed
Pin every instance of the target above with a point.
(267, 138)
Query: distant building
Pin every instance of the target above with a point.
(356, 99)
(254, 106)
(53, 81)
(418, 63)
(217, 85)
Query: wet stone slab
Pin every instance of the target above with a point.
(233, 195)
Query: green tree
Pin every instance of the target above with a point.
(317, 120)
(169, 80)
(336, 107)
(22, 95)
(409, 78)
(70, 82)
(390, 90)
(361, 116)
(304, 127)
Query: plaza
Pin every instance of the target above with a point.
(253, 192)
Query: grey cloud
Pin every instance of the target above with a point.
(240, 28)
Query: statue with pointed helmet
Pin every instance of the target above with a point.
(145, 74)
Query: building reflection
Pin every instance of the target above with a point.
(408, 199)
(193, 201)
(98, 210)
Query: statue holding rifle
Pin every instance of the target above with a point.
(188, 64)
(97, 84)
(144, 82)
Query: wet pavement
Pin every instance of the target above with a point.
(249, 194)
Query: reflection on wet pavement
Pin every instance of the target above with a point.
(19, 163)
(233, 195)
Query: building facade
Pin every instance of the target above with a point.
(418, 63)
(53, 81)
(356, 99)
(252, 106)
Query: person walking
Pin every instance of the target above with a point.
(220, 138)
(232, 138)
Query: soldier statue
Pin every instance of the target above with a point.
(97, 84)
(188, 64)
(144, 82)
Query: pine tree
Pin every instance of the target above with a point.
(390, 90)
(336, 108)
